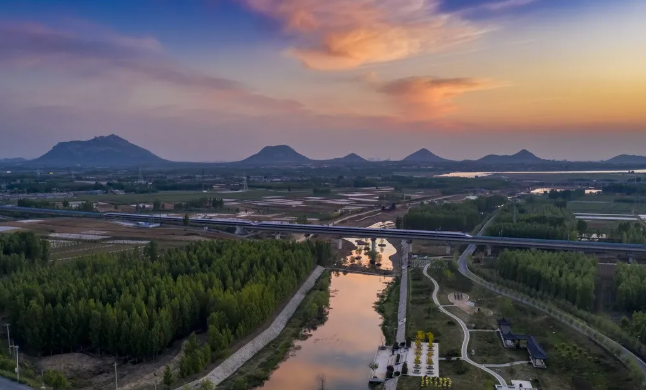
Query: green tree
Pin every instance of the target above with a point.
(582, 226)
(157, 205)
(186, 220)
(66, 203)
(55, 380)
(206, 385)
(301, 219)
(168, 378)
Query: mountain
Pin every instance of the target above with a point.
(278, 154)
(522, 157)
(104, 150)
(349, 159)
(627, 159)
(425, 155)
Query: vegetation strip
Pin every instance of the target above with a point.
(235, 361)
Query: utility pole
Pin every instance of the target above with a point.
(17, 364)
(116, 385)
(8, 339)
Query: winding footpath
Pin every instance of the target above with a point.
(240, 357)
(465, 330)
(560, 315)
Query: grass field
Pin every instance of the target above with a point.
(597, 371)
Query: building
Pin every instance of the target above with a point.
(509, 339)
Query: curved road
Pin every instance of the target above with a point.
(465, 330)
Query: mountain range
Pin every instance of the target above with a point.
(104, 150)
(113, 150)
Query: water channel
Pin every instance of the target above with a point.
(482, 174)
(340, 349)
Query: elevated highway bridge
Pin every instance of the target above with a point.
(356, 232)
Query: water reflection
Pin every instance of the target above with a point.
(548, 189)
(342, 348)
(481, 174)
(361, 255)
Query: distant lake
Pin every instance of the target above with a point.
(548, 189)
(481, 174)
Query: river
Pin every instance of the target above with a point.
(341, 349)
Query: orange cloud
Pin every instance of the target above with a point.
(429, 97)
(342, 34)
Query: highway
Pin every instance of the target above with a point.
(6, 384)
(359, 232)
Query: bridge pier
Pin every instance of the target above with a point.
(448, 248)
(488, 250)
(410, 246)
(240, 231)
(307, 236)
(277, 235)
(339, 243)
(631, 258)
(373, 246)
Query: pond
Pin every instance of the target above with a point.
(341, 349)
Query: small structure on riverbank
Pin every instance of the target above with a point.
(510, 340)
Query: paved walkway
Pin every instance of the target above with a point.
(240, 357)
(560, 315)
(7, 384)
(465, 330)
(506, 364)
(403, 298)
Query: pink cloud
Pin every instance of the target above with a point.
(427, 97)
(341, 34)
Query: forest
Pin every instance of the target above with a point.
(463, 216)
(535, 220)
(134, 304)
(564, 275)
(21, 251)
(630, 282)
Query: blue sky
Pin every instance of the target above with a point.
(219, 79)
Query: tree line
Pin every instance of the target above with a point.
(135, 305)
(630, 284)
(564, 275)
(21, 251)
(534, 220)
(463, 216)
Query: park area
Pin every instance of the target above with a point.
(575, 362)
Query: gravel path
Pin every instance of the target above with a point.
(235, 361)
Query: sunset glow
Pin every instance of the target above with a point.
(215, 80)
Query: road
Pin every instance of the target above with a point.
(349, 231)
(465, 330)
(554, 312)
(6, 384)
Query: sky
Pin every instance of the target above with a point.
(217, 80)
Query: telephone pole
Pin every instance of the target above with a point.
(116, 385)
(8, 339)
(17, 364)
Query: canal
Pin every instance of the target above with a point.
(341, 349)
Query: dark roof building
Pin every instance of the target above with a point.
(536, 354)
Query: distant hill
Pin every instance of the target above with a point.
(104, 150)
(627, 159)
(522, 157)
(350, 158)
(278, 154)
(425, 155)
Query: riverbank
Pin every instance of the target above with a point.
(237, 359)
(386, 306)
(306, 318)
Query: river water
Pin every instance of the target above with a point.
(482, 174)
(360, 256)
(342, 348)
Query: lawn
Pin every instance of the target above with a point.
(489, 350)
(594, 370)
